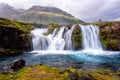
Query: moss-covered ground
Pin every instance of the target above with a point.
(25, 27)
(42, 72)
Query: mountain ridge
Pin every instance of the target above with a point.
(38, 14)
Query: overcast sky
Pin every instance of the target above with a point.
(86, 10)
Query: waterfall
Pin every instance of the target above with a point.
(60, 40)
(90, 37)
(68, 39)
(39, 40)
(57, 42)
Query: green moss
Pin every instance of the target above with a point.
(109, 34)
(17, 25)
(77, 37)
(51, 28)
(42, 72)
(98, 76)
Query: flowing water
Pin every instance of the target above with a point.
(56, 50)
(90, 37)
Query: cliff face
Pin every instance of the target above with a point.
(13, 39)
(110, 35)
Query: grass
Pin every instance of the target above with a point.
(43, 72)
(25, 27)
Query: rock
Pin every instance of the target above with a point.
(17, 64)
(77, 37)
(85, 76)
(73, 76)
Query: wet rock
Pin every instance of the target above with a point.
(17, 64)
(73, 76)
(85, 76)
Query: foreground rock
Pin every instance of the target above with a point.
(17, 64)
(73, 76)
(86, 77)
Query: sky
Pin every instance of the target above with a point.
(86, 10)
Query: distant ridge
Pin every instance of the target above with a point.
(38, 14)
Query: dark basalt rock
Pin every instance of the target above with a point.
(73, 76)
(85, 76)
(13, 41)
(17, 64)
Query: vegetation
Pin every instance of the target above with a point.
(77, 37)
(42, 72)
(46, 18)
(52, 27)
(25, 27)
(38, 14)
(14, 36)
(109, 34)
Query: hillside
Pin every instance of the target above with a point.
(38, 14)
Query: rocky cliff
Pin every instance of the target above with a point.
(14, 37)
(110, 35)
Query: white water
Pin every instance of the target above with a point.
(61, 43)
(39, 41)
(68, 39)
(57, 42)
(90, 37)
(60, 40)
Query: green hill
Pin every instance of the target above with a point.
(38, 14)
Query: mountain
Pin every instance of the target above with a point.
(49, 9)
(38, 14)
(7, 11)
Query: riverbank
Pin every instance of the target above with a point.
(42, 72)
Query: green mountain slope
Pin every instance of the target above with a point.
(38, 14)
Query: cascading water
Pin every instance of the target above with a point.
(57, 43)
(90, 37)
(68, 40)
(60, 40)
(39, 41)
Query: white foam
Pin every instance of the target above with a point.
(98, 52)
(51, 52)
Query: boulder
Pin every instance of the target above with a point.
(86, 76)
(17, 64)
(73, 76)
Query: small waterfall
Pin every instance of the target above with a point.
(57, 42)
(90, 37)
(39, 41)
(68, 39)
(60, 40)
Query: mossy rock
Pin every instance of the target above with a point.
(14, 36)
(51, 28)
(77, 37)
(109, 34)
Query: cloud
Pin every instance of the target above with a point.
(87, 10)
